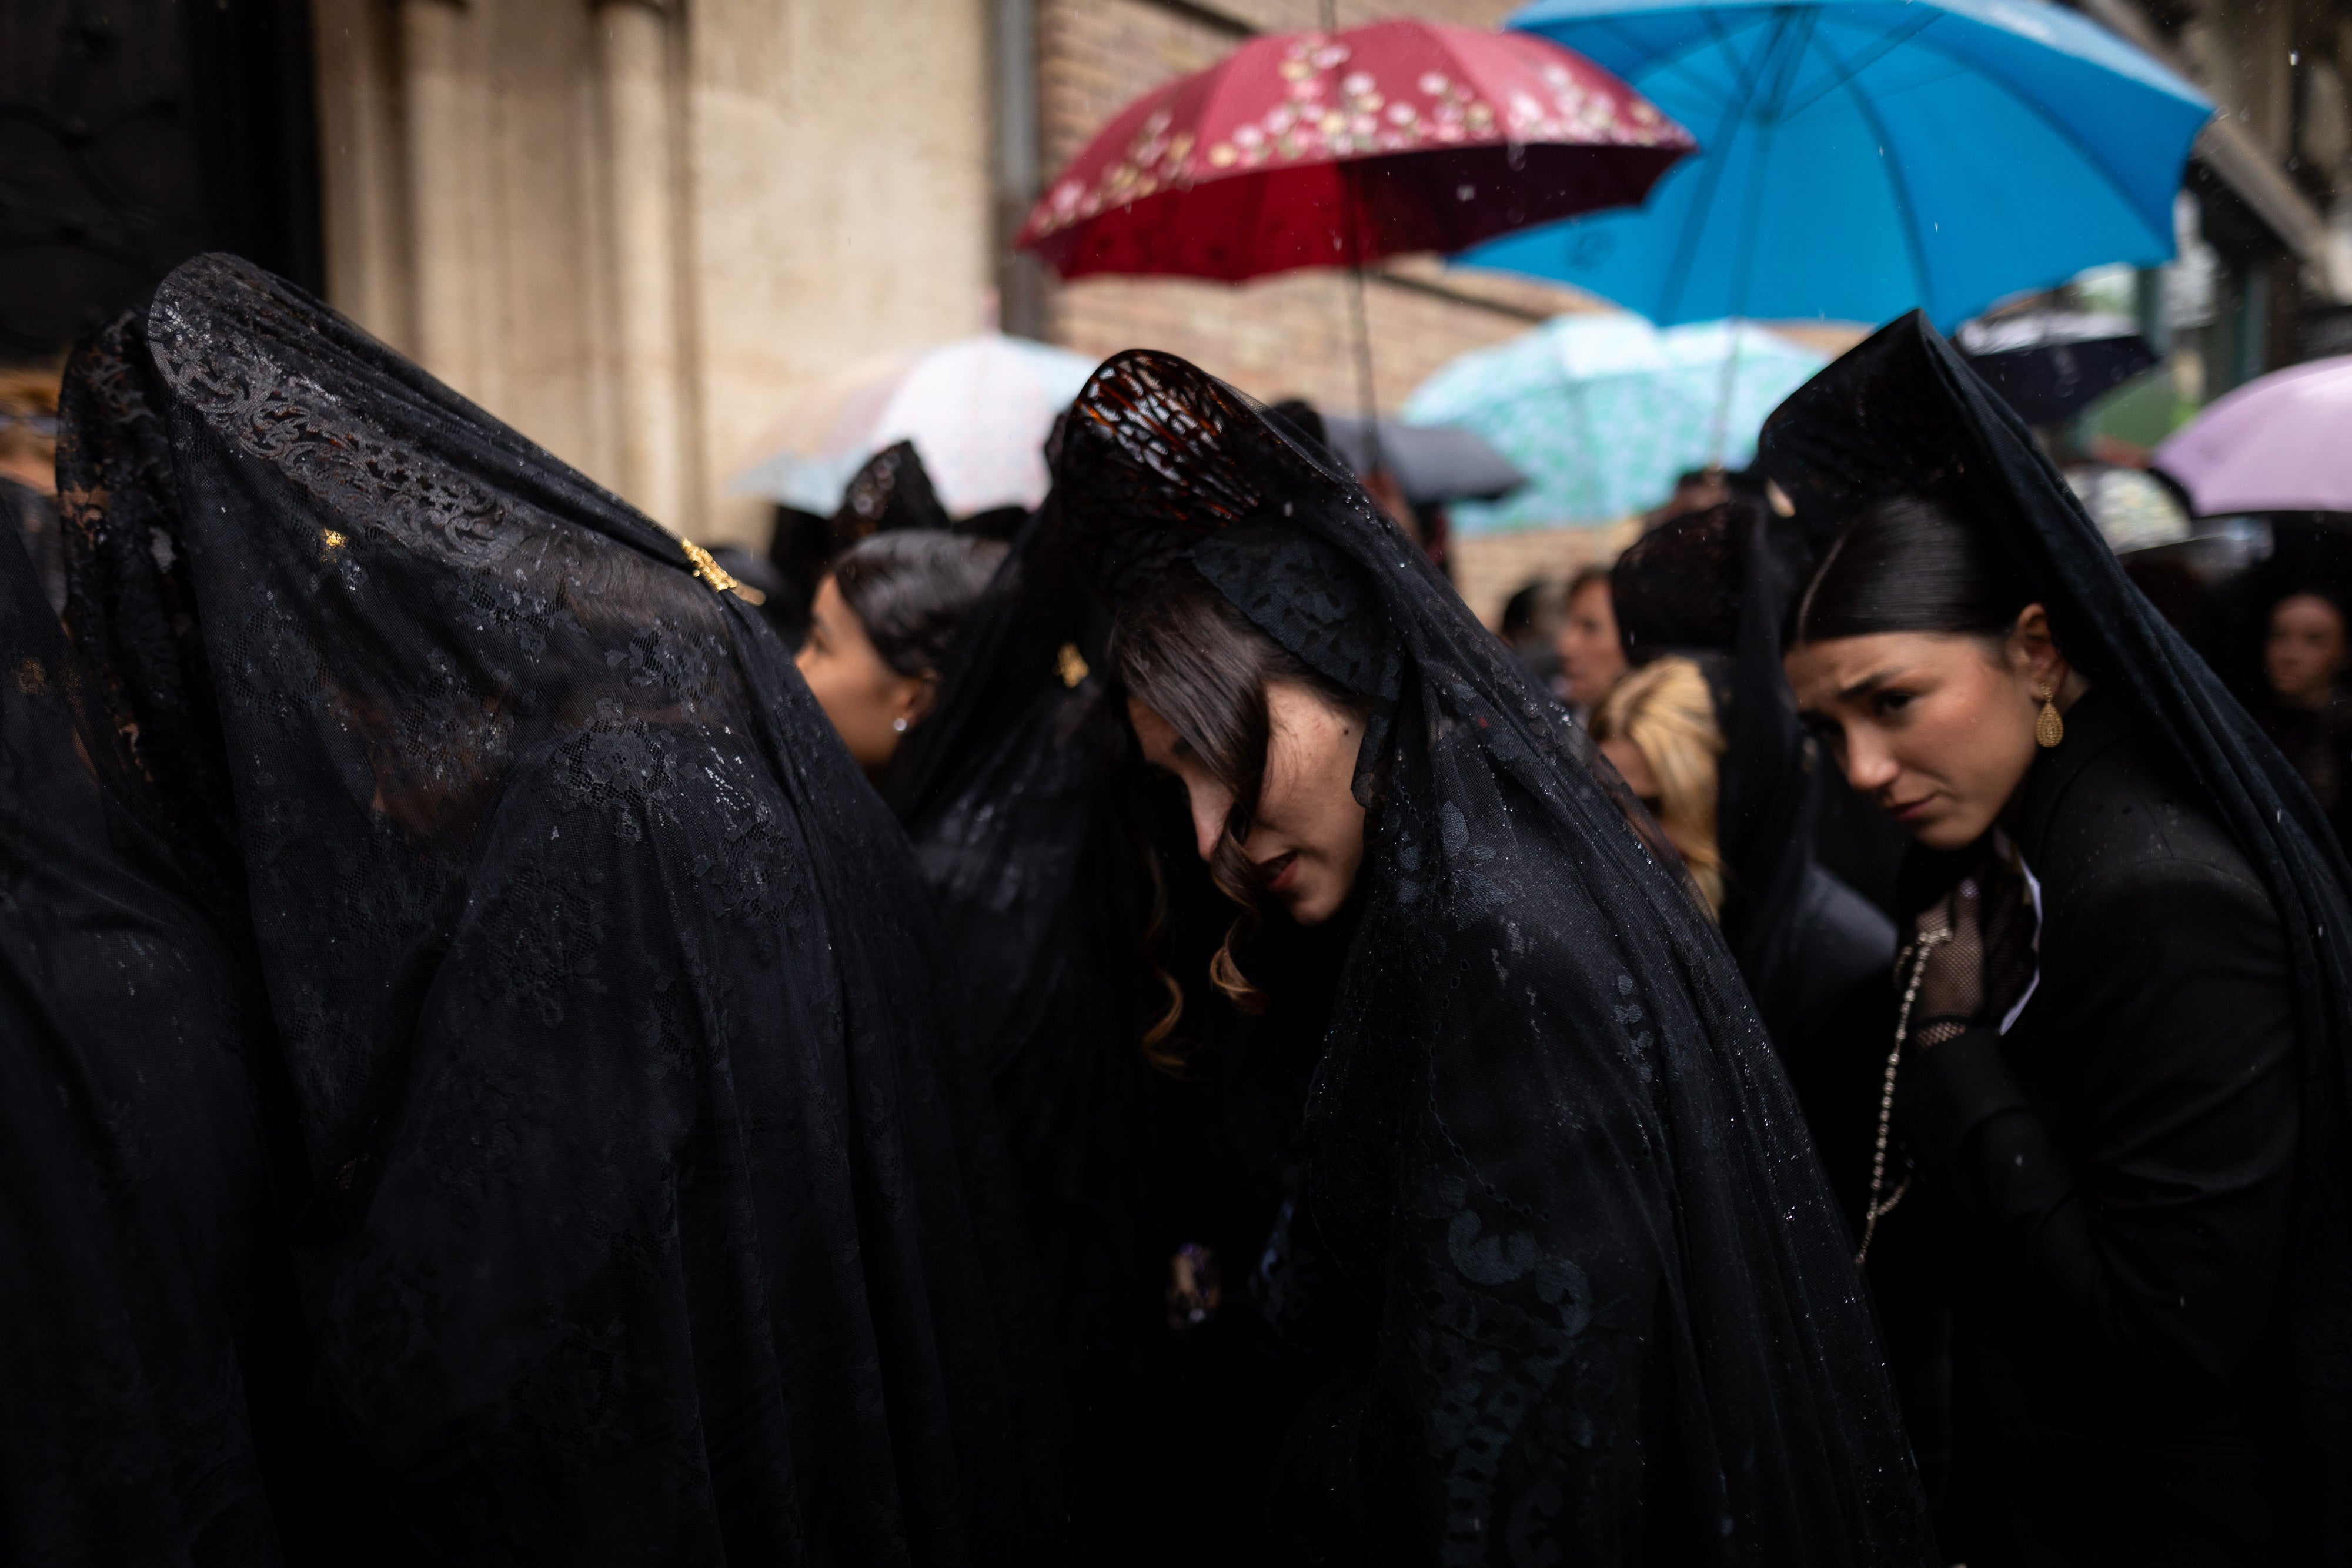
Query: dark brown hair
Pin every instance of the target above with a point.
(910, 589)
(1185, 652)
(1907, 563)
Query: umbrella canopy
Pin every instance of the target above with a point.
(2051, 365)
(1861, 157)
(2275, 445)
(1339, 149)
(1430, 462)
(2133, 509)
(1603, 411)
(978, 411)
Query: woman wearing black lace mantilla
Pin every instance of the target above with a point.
(644, 1205)
(1614, 1314)
(2113, 1114)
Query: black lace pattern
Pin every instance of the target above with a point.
(1902, 414)
(1549, 1144)
(656, 1213)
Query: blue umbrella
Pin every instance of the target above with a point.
(1861, 157)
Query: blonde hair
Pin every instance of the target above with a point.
(28, 392)
(1664, 711)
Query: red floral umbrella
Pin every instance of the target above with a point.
(1339, 149)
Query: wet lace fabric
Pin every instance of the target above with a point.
(1010, 792)
(1715, 585)
(1903, 412)
(1550, 1146)
(655, 1214)
(892, 491)
(131, 607)
(147, 1357)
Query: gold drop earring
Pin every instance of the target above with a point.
(2049, 728)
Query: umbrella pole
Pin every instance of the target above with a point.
(1365, 395)
(1723, 397)
(1351, 212)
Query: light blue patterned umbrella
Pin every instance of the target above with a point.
(1601, 412)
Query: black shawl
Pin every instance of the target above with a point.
(1013, 792)
(149, 1368)
(1904, 413)
(1714, 585)
(1618, 1315)
(892, 491)
(656, 1213)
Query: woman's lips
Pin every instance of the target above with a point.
(1911, 811)
(1280, 873)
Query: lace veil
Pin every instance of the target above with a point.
(1903, 413)
(1550, 1146)
(150, 1368)
(1715, 585)
(655, 1210)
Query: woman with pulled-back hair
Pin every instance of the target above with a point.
(2113, 1095)
(1609, 1312)
(884, 615)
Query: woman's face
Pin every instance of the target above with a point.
(1306, 837)
(2305, 651)
(1590, 653)
(869, 703)
(1936, 730)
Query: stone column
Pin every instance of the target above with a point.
(363, 172)
(452, 222)
(641, 168)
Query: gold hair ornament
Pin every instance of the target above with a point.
(716, 575)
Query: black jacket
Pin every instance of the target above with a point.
(2115, 1178)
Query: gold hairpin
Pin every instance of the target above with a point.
(708, 568)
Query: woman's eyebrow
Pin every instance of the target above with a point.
(1869, 684)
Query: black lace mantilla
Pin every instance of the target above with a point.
(1903, 412)
(1304, 594)
(1550, 1146)
(656, 1211)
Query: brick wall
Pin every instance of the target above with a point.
(1490, 568)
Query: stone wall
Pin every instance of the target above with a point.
(632, 229)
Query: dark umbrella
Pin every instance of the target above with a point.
(2052, 364)
(1434, 463)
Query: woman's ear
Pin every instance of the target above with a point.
(915, 698)
(2033, 651)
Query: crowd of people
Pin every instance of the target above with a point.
(1140, 1031)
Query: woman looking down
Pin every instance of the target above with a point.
(1612, 1312)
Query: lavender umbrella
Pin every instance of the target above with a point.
(2275, 445)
